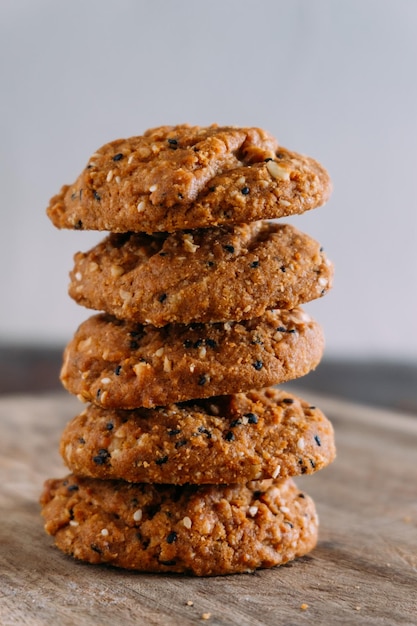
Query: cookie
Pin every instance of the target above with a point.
(209, 275)
(226, 439)
(186, 177)
(117, 364)
(206, 531)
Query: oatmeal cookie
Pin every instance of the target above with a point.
(205, 531)
(186, 177)
(225, 439)
(117, 364)
(207, 275)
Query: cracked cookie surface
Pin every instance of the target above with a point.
(207, 275)
(205, 531)
(220, 440)
(186, 177)
(117, 364)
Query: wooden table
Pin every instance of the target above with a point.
(364, 570)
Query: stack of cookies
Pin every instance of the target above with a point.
(184, 457)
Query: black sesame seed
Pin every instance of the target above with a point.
(229, 248)
(229, 436)
(254, 264)
(281, 329)
(283, 268)
(174, 431)
(102, 456)
(202, 380)
(98, 393)
(95, 548)
(313, 465)
(301, 495)
(268, 159)
(109, 426)
(212, 189)
(97, 195)
(321, 249)
(81, 440)
(162, 297)
(168, 563)
(162, 460)
(252, 418)
(280, 155)
(211, 343)
(78, 225)
(181, 443)
(171, 537)
(303, 469)
(245, 191)
(74, 195)
(118, 370)
(235, 423)
(288, 400)
(173, 143)
(312, 407)
(187, 343)
(203, 430)
(210, 263)
(134, 345)
(198, 343)
(72, 488)
(317, 440)
(118, 156)
(291, 331)
(258, 365)
(289, 524)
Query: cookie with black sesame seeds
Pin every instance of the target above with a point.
(206, 275)
(220, 440)
(205, 531)
(186, 177)
(119, 364)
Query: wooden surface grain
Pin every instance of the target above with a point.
(363, 571)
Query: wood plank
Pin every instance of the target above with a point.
(364, 570)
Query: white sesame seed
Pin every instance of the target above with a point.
(141, 206)
(187, 522)
(301, 443)
(117, 179)
(277, 171)
(109, 176)
(73, 523)
(284, 509)
(167, 364)
(192, 367)
(241, 180)
(78, 276)
(93, 266)
(137, 515)
(253, 511)
(153, 188)
(159, 352)
(276, 471)
(130, 159)
(283, 202)
(104, 532)
(105, 381)
(202, 352)
(189, 243)
(323, 281)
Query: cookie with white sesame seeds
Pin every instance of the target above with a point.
(119, 364)
(186, 177)
(220, 440)
(205, 531)
(206, 275)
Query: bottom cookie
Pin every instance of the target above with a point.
(205, 530)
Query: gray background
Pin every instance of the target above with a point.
(333, 79)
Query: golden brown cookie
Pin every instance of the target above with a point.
(226, 439)
(207, 275)
(117, 364)
(181, 177)
(206, 530)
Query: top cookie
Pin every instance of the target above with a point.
(185, 177)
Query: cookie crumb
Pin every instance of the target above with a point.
(304, 606)
(189, 603)
(206, 616)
